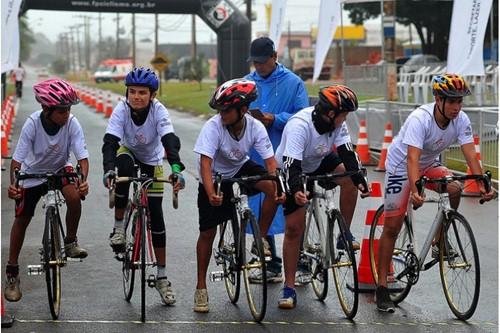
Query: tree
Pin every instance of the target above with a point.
(26, 38)
(60, 66)
(431, 19)
(199, 68)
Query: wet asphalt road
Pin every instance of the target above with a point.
(92, 290)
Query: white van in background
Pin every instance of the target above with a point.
(112, 70)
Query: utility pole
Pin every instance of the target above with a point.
(249, 15)
(78, 47)
(99, 44)
(72, 49)
(117, 51)
(156, 34)
(133, 41)
(193, 39)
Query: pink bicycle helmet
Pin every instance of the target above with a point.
(55, 93)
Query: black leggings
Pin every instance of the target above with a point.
(125, 165)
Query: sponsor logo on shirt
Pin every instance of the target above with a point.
(235, 154)
(438, 144)
(321, 149)
(140, 138)
(468, 131)
(164, 122)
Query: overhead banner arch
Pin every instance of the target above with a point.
(225, 19)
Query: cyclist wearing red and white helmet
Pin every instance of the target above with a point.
(47, 138)
(223, 146)
(140, 132)
(306, 148)
(427, 132)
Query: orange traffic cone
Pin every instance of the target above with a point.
(385, 146)
(471, 188)
(7, 320)
(109, 107)
(100, 104)
(365, 276)
(5, 144)
(362, 148)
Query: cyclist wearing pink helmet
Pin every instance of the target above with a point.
(45, 143)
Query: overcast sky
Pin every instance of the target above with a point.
(302, 15)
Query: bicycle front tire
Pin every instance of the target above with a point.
(128, 266)
(459, 265)
(52, 253)
(343, 263)
(254, 263)
(314, 239)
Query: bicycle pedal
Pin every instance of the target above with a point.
(74, 259)
(216, 276)
(35, 270)
(151, 280)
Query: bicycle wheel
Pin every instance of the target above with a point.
(228, 250)
(141, 219)
(400, 287)
(343, 263)
(128, 267)
(459, 266)
(254, 264)
(52, 253)
(313, 247)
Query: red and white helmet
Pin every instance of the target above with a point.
(233, 94)
(55, 93)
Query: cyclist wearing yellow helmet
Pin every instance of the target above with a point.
(428, 131)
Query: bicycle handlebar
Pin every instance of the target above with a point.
(329, 176)
(486, 179)
(175, 197)
(253, 179)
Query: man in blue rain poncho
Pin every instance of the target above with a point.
(281, 93)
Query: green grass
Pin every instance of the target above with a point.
(187, 96)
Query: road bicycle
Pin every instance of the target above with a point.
(458, 256)
(240, 247)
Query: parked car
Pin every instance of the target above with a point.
(418, 60)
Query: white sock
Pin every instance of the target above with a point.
(162, 271)
(118, 224)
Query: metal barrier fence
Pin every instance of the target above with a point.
(367, 80)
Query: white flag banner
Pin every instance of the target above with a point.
(468, 26)
(10, 34)
(329, 18)
(277, 18)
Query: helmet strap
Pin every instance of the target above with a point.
(441, 111)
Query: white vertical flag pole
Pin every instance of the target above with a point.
(329, 18)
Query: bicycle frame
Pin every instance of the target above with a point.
(328, 196)
(443, 208)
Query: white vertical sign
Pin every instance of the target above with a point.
(10, 34)
(468, 26)
(329, 18)
(277, 17)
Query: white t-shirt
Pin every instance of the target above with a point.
(19, 73)
(302, 142)
(228, 154)
(39, 152)
(143, 141)
(420, 130)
